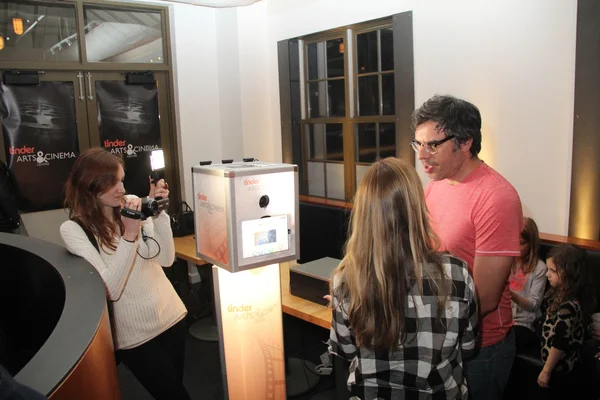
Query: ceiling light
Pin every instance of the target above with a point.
(1, 42)
(17, 24)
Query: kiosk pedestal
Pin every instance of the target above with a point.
(250, 326)
(246, 222)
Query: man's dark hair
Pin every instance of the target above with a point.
(453, 117)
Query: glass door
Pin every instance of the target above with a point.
(129, 115)
(44, 127)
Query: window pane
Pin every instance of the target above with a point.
(388, 97)
(366, 142)
(335, 58)
(387, 140)
(317, 104)
(335, 180)
(316, 142)
(366, 47)
(123, 36)
(387, 49)
(337, 98)
(34, 33)
(334, 142)
(316, 64)
(316, 178)
(368, 95)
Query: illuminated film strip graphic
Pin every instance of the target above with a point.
(270, 382)
(221, 253)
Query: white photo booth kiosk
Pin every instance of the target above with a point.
(246, 224)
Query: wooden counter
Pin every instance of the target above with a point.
(185, 248)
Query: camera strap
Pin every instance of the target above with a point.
(89, 235)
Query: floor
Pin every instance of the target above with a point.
(202, 376)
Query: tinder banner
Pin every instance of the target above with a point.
(39, 128)
(129, 125)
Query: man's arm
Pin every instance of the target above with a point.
(490, 275)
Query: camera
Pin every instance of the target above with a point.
(150, 208)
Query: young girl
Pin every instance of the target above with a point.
(527, 285)
(562, 331)
(403, 313)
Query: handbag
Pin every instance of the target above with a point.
(182, 222)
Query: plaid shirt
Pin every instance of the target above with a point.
(428, 366)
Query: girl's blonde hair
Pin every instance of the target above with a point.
(531, 236)
(390, 248)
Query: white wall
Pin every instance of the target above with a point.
(230, 104)
(197, 95)
(256, 84)
(515, 60)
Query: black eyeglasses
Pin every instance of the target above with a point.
(430, 147)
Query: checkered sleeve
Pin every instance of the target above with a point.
(341, 339)
(468, 314)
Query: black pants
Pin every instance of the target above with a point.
(158, 364)
(526, 340)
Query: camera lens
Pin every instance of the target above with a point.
(264, 201)
(149, 207)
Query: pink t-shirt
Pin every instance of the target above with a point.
(481, 216)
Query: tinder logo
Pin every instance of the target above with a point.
(251, 181)
(114, 143)
(202, 197)
(21, 150)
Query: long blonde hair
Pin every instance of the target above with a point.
(390, 248)
(531, 236)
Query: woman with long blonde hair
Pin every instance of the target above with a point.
(404, 314)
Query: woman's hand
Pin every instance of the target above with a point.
(131, 225)
(544, 379)
(513, 295)
(159, 189)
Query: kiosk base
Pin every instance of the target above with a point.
(300, 377)
(205, 329)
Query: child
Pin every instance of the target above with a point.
(404, 314)
(567, 300)
(527, 285)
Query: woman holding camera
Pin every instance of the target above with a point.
(147, 314)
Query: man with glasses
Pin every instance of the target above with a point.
(477, 215)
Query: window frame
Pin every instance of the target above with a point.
(401, 25)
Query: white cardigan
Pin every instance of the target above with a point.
(145, 303)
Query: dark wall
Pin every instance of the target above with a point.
(584, 214)
(322, 231)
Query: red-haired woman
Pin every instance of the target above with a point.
(148, 315)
